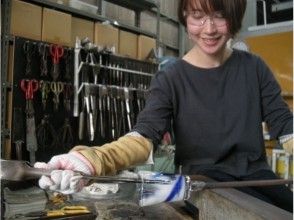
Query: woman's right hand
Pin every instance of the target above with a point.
(63, 177)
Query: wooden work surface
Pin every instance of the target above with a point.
(125, 210)
(168, 211)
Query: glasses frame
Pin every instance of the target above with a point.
(203, 20)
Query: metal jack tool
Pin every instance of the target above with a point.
(15, 170)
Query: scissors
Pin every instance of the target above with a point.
(56, 52)
(29, 87)
(56, 88)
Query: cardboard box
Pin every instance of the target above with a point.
(128, 44)
(83, 6)
(145, 45)
(81, 28)
(106, 35)
(56, 27)
(26, 20)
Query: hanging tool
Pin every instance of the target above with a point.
(127, 99)
(18, 131)
(28, 48)
(102, 93)
(56, 88)
(77, 51)
(46, 134)
(89, 109)
(65, 135)
(42, 49)
(68, 63)
(45, 89)
(29, 87)
(67, 93)
(113, 96)
(122, 118)
(56, 52)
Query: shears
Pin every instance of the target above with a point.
(29, 86)
(56, 88)
(56, 52)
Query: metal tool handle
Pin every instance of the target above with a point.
(118, 179)
(31, 172)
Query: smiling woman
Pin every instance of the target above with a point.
(215, 98)
(228, 9)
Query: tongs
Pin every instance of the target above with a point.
(15, 170)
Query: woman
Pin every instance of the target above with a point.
(217, 98)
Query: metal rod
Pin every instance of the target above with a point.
(109, 86)
(118, 179)
(115, 68)
(196, 185)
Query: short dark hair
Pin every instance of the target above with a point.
(233, 11)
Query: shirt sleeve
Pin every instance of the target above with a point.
(275, 111)
(155, 119)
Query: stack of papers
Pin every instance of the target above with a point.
(21, 202)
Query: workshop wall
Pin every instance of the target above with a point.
(148, 22)
(56, 27)
(35, 27)
(26, 20)
(106, 35)
(81, 28)
(169, 33)
(120, 14)
(276, 50)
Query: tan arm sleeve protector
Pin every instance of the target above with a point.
(117, 155)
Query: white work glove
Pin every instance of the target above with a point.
(63, 178)
(288, 146)
(287, 143)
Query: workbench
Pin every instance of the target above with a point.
(162, 211)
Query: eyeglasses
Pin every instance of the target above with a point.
(199, 18)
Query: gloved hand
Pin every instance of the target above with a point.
(63, 178)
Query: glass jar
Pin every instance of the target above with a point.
(175, 188)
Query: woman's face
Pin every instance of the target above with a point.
(209, 32)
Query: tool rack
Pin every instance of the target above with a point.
(7, 40)
(130, 72)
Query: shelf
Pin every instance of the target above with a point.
(169, 46)
(165, 17)
(65, 8)
(136, 5)
(86, 15)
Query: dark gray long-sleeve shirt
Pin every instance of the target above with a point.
(217, 113)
